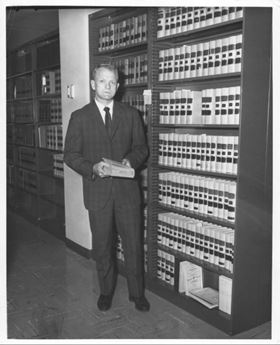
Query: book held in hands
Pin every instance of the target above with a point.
(117, 169)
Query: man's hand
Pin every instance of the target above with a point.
(101, 169)
(126, 162)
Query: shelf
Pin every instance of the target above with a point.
(195, 172)
(49, 95)
(22, 74)
(200, 80)
(23, 113)
(34, 193)
(23, 122)
(47, 67)
(194, 214)
(252, 226)
(51, 150)
(13, 100)
(212, 316)
(53, 199)
(206, 265)
(199, 126)
(143, 85)
(125, 50)
(41, 123)
(25, 167)
(231, 26)
(24, 145)
(49, 173)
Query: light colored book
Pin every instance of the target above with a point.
(225, 294)
(190, 277)
(117, 169)
(206, 296)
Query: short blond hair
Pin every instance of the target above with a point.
(108, 66)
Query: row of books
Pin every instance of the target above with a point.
(175, 20)
(58, 169)
(119, 249)
(137, 101)
(11, 174)
(20, 111)
(166, 267)
(214, 153)
(204, 195)
(10, 154)
(10, 133)
(129, 31)
(10, 112)
(27, 157)
(133, 69)
(23, 112)
(27, 180)
(24, 135)
(50, 110)
(20, 61)
(213, 57)
(50, 137)
(50, 82)
(146, 257)
(191, 283)
(20, 87)
(48, 53)
(203, 240)
(209, 106)
(120, 252)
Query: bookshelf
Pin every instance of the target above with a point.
(34, 141)
(209, 195)
(120, 37)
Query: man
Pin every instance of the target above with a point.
(109, 129)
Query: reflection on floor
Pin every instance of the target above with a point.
(52, 294)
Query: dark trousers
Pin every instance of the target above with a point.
(127, 220)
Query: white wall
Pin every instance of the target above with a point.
(74, 55)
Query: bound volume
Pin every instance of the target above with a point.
(118, 169)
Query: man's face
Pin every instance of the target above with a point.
(105, 85)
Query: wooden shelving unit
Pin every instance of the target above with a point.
(33, 106)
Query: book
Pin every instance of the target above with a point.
(225, 294)
(190, 277)
(207, 296)
(118, 169)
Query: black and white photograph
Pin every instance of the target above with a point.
(140, 184)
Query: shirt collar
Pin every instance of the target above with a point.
(101, 106)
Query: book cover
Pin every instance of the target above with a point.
(190, 277)
(225, 294)
(207, 296)
(118, 169)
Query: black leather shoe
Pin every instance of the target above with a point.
(141, 303)
(104, 302)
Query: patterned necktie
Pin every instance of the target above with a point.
(108, 120)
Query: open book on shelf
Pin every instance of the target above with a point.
(117, 169)
(191, 283)
(207, 296)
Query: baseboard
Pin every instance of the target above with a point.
(78, 249)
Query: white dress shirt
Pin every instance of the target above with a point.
(102, 111)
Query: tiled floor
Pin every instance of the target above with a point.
(52, 294)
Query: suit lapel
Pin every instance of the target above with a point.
(116, 118)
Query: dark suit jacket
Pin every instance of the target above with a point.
(87, 142)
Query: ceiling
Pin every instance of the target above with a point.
(25, 24)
